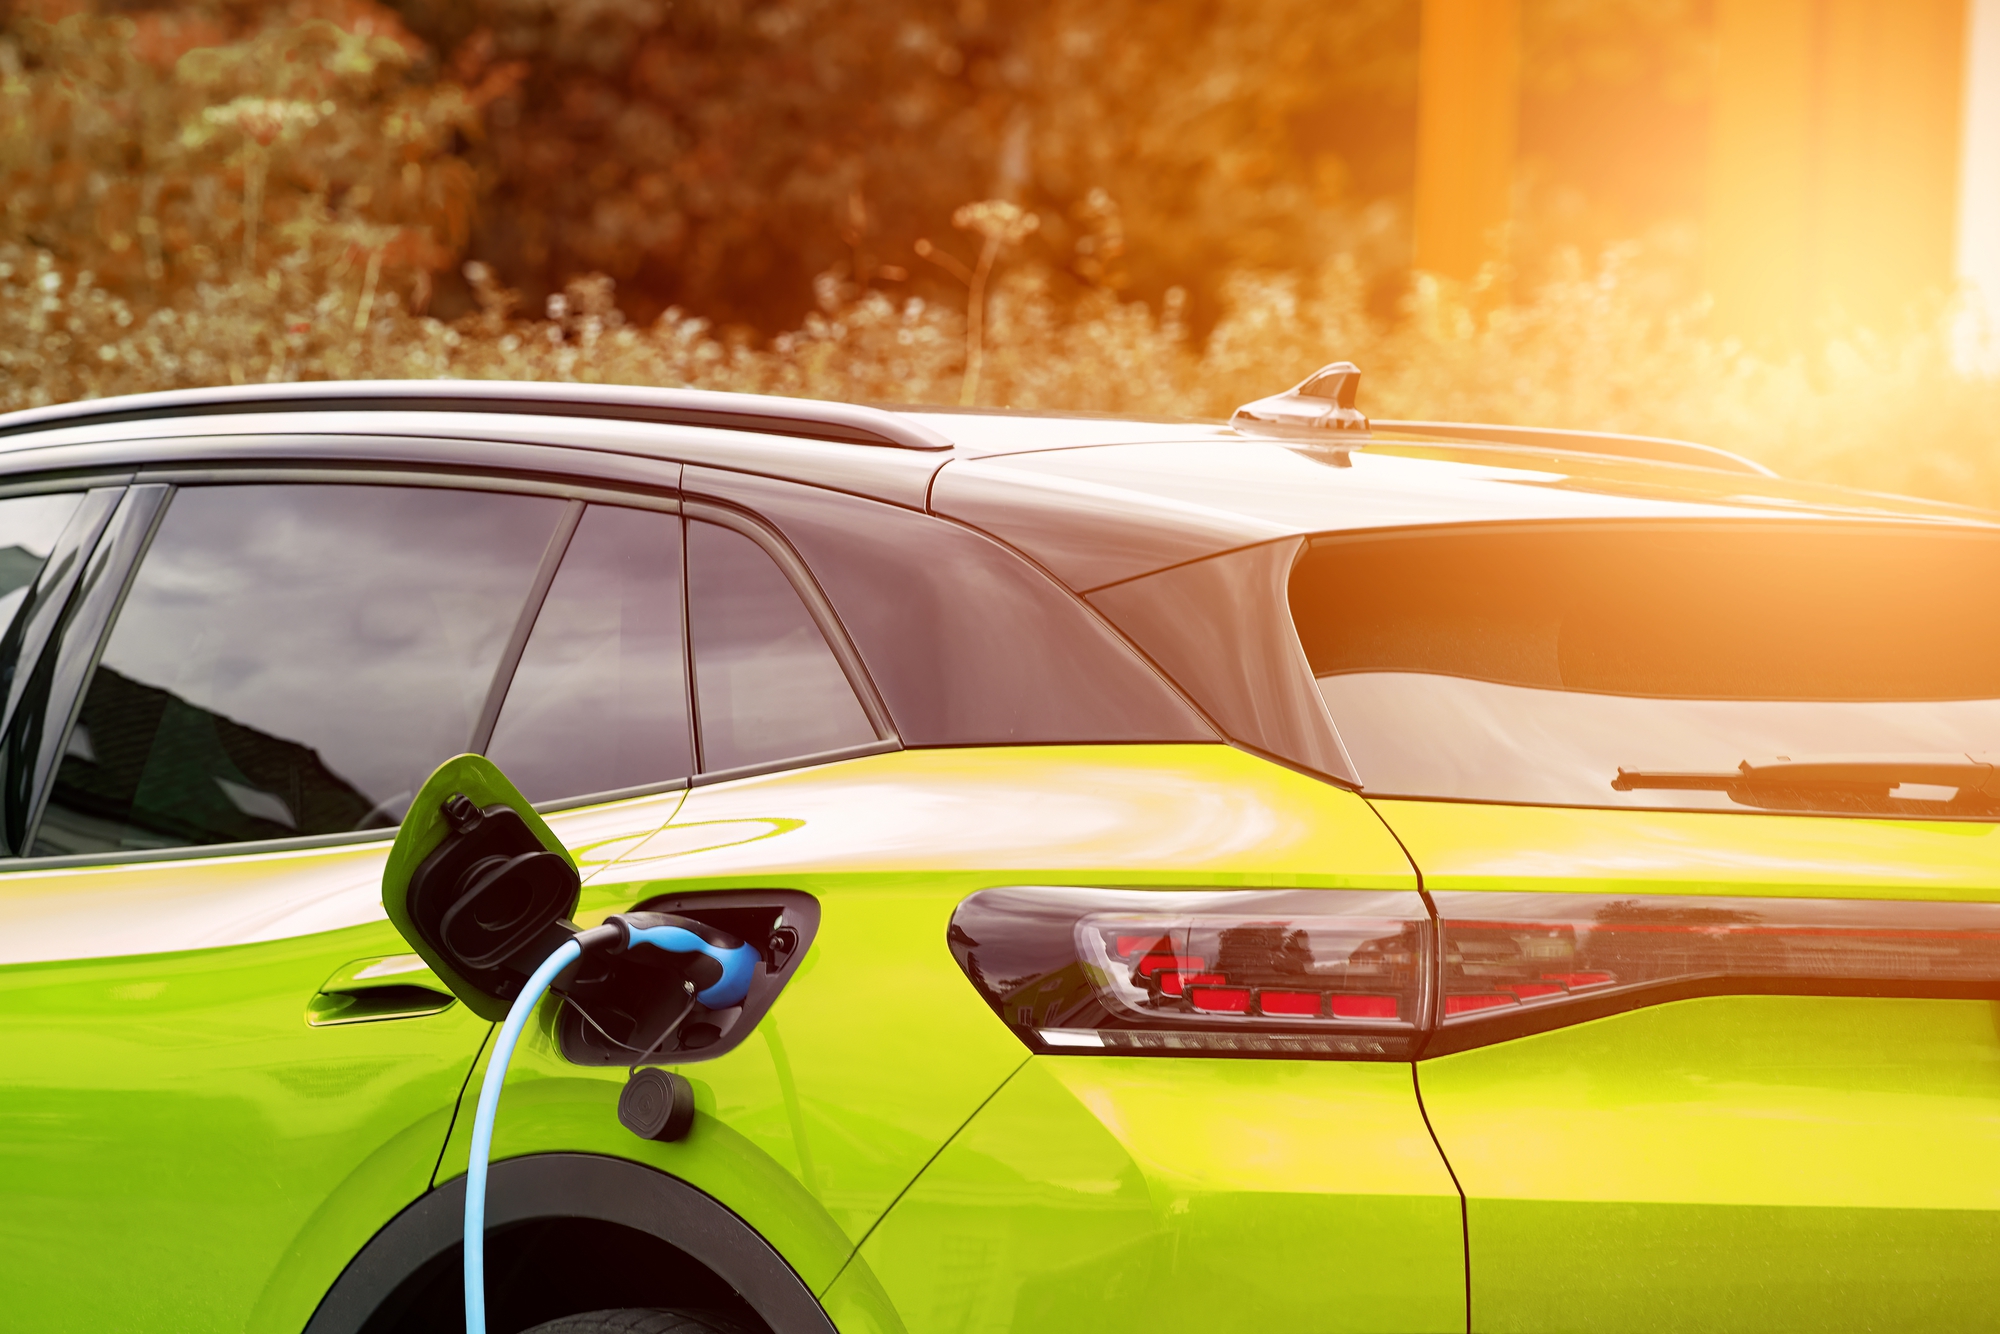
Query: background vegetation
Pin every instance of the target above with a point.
(1160, 208)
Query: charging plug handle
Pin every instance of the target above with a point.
(680, 935)
(608, 938)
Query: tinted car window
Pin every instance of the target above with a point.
(767, 687)
(1853, 668)
(969, 644)
(293, 659)
(600, 699)
(29, 527)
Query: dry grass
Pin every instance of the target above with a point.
(1591, 350)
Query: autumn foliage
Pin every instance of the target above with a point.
(835, 199)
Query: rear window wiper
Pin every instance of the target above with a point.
(1837, 782)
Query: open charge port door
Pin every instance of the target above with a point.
(617, 1009)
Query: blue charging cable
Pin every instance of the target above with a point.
(739, 965)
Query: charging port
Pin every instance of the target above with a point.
(617, 1009)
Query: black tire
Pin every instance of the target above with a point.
(641, 1322)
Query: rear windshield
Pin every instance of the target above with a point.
(1845, 669)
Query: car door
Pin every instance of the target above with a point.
(1716, 1072)
(224, 1069)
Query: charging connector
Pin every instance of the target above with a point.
(666, 1100)
(486, 894)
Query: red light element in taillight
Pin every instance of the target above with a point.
(1180, 963)
(1216, 972)
(1289, 1002)
(1365, 974)
(1565, 956)
(1220, 1000)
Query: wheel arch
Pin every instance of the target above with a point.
(578, 1187)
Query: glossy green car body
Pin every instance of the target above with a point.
(233, 1100)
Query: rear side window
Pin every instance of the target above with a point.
(293, 660)
(969, 644)
(767, 687)
(599, 701)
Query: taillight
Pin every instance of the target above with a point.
(1371, 975)
(1516, 963)
(1332, 973)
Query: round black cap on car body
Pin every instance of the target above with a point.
(657, 1104)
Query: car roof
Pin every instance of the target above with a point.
(1096, 499)
(1099, 514)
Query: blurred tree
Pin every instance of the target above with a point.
(717, 154)
(720, 155)
(1468, 118)
(208, 191)
(166, 149)
(1614, 123)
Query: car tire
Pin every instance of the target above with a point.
(641, 1322)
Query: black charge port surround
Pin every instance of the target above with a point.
(632, 1008)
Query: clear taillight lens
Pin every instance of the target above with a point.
(1515, 963)
(1334, 973)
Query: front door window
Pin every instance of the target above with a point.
(293, 660)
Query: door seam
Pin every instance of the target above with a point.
(1464, 1217)
(918, 1175)
(1416, 1080)
(458, 1104)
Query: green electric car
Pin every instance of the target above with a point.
(1299, 874)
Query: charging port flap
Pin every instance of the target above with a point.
(478, 884)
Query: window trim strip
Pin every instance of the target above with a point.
(43, 616)
(524, 627)
(99, 596)
(309, 842)
(332, 472)
(885, 746)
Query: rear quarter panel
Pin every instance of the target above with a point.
(880, 1050)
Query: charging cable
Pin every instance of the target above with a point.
(739, 964)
